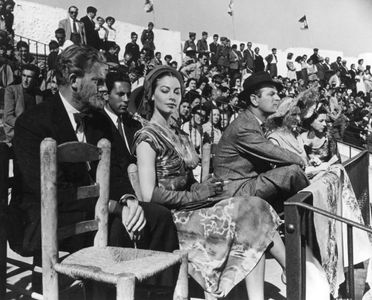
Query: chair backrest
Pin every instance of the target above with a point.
(72, 152)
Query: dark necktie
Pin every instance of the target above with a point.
(74, 28)
(121, 132)
(80, 119)
(120, 127)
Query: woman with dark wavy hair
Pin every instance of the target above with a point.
(226, 238)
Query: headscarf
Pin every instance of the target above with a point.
(155, 74)
(150, 78)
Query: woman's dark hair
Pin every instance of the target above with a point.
(306, 123)
(189, 80)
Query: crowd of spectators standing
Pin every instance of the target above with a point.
(213, 73)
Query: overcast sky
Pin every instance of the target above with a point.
(333, 24)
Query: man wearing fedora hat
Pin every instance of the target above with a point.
(247, 160)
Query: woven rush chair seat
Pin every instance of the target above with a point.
(108, 264)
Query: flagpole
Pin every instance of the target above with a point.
(233, 25)
(153, 16)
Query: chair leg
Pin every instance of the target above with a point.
(181, 292)
(3, 251)
(125, 287)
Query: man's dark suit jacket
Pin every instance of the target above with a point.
(119, 180)
(134, 50)
(50, 119)
(259, 64)
(90, 32)
(213, 48)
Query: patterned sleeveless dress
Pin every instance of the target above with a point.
(225, 241)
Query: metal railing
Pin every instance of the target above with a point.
(299, 230)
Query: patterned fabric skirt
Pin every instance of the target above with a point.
(226, 241)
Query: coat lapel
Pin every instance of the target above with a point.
(63, 126)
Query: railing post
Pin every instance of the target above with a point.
(295, 262)
(37, 54)
(350, 289)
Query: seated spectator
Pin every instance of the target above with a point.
(168, 58)
(132, 47)
(56, 119)
(174, 64)
(184, 111)
(20, 98)
(193, 98)
(51, 88)
(355, 133)
(246, 157)
(53, 54)
(194, 127)
(212, 133)
(111, 53)
(319, 144)
(284, 128)
(191, 84)
(60, 36)
(23, 55)
(195, 70)
(76, 39)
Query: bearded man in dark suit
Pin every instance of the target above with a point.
(247, 160)
(79, 70)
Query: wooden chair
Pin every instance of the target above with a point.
(16, 267)
(113, 265)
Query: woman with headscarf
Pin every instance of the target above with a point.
(226, 239)
(284, 128)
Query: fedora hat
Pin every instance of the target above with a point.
(256, 81)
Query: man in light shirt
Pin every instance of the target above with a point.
(72, 25)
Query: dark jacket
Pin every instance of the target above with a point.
(90, 32)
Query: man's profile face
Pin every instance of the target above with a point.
(28, 79)
(61, 38)
(85, 89)
(242, 46)
(268, 101)
(274, 51)
(119, 97)
(257, 50)
(134, 38)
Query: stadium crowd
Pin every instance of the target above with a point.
(219, 95)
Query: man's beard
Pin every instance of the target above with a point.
(96, 102)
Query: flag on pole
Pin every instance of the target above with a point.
(149, 6)
(303, 22)
(230, 8)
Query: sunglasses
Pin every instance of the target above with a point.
(73, 12)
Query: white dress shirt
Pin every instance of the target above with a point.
(115, 119)
(70, 112)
